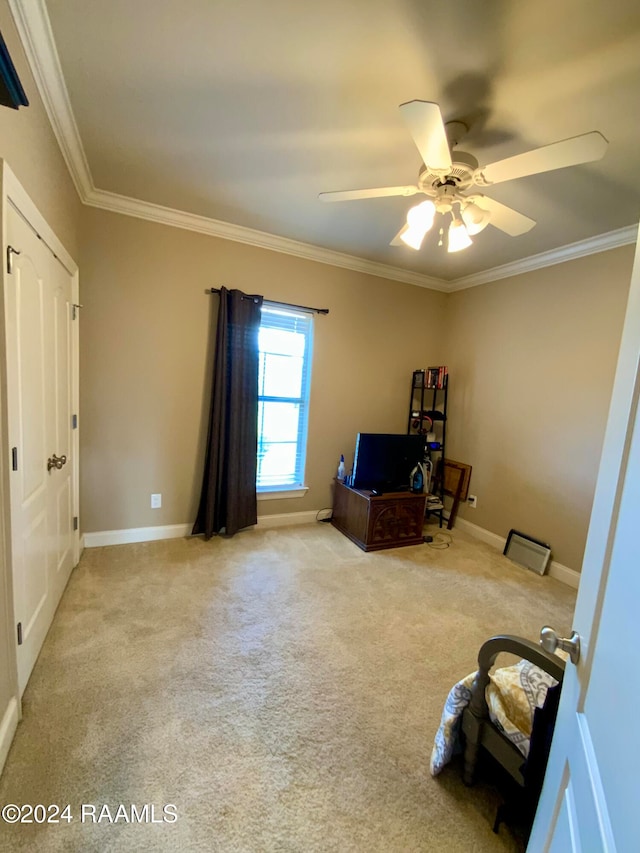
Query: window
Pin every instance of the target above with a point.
(284, 344)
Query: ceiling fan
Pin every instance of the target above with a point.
(448, 175)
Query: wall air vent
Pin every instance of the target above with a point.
(527, 552)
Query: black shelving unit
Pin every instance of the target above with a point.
(428, 416)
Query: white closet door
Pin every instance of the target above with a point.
(61, 480)
(37, 312)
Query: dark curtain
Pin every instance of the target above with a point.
(228, 498)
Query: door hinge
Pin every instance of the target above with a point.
(75, 307)
(74, 422)
(19, 633)
(11, 251)
(75, 522)
(14, 458)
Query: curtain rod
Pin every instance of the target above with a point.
(281, 304)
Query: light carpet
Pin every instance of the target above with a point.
(281, 688)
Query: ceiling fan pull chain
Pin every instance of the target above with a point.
(441, 234)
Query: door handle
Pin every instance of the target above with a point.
(56, 462)
(550, 641)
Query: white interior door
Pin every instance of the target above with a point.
(60, 480)
(37, 317)
(589, 801)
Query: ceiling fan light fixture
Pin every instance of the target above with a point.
(419, 221)
(421, 215)
(475, 217)
(413, 237)
(458, 237)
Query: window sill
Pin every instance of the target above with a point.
(283, 494)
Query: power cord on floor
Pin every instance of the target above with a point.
(441, 541)
(325, 509)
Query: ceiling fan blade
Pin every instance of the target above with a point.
(558, 155)
(396, 240)
(424, 120)
(505, 218)
(379, 192)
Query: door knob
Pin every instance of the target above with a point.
(550, 641)
(56, 462)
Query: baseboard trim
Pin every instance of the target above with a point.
(136, 534)
(555, 570)
(285, 519)
(8, 729)
(564, 574)
(130, 535)
(480, 533)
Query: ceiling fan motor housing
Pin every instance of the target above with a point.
(445, 196)
(461, 174)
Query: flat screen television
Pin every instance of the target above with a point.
(384, 461)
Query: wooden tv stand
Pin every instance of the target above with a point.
(374, 522)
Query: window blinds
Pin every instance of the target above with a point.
(284, 343)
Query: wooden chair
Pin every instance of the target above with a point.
(480, 732)
(452, 479)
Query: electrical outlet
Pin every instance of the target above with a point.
(472, 500)
(156, 501)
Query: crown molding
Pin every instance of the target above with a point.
(33, 25)
(580, 249)
(249, 236)
(34, 28)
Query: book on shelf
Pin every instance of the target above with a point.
(436, 377)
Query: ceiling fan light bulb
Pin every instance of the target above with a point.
(421, 216)
(458, 237)
(413, 237)
(475, 217)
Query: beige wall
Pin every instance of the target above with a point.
(28, 145)
(144, 338)
(532, 360)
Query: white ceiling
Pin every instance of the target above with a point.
(243, 111)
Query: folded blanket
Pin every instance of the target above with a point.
(513, 694)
